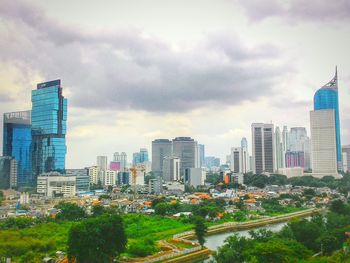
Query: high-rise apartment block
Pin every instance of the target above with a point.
(108, 177)
(263, 148)
(49, 117)
(102, 162)
(17, 139)
(94, 173)
(160, 149)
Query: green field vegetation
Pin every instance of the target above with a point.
(30, 243)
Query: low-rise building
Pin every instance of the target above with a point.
(194, 176)
(55, 184)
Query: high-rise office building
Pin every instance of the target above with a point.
(294, 159)
(135, 158)
(279, 149)
(121, 159)
(49, 117)
(8, 172)
(346, 158)
(201, 154)
(263, 148)
(323, 143)
(327, 98)
(245, 155)
(102, 163)
(82, 178)
(186, 149)
(171, 168)
(239, 160)
(212, 161)
(300, 142)
(140, 157)
(17, 139)
(143, 155)
(160, 149)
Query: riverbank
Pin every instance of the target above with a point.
(198, 254)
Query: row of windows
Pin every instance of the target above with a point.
(52, 89)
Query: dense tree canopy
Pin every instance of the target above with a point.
(98, 239)
(70, 211)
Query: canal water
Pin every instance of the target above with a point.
(217, 240)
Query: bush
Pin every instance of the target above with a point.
(142, 248)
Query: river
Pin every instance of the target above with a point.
(214, 241)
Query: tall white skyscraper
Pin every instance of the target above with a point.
(245, 155)
(239, 162)
(323, 143)
(263, 148)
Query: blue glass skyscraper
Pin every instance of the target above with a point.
(49, 117)
(17, 140)
(327, 98)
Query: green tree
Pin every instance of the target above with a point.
(96, 240)
(232, 250)
(276, 251)
(338, 207)
(70, 212)
(97, 210)
(200, 229)
(261, 235)
(162, 209)
(1, 197)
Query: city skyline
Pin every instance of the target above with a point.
(124, 96)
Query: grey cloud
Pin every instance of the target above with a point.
(124, 70)
(297, 10)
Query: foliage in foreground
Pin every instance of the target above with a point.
(97, 239)
(297, 241)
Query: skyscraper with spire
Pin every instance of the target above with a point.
(326, 98)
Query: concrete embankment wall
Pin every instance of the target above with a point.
(232, 226)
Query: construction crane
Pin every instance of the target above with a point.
(134, 171)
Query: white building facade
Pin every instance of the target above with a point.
(323, 143)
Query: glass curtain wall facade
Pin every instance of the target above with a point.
(49, 117)
(327, 98)
(17, 138)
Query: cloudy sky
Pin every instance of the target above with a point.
(134, 71)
